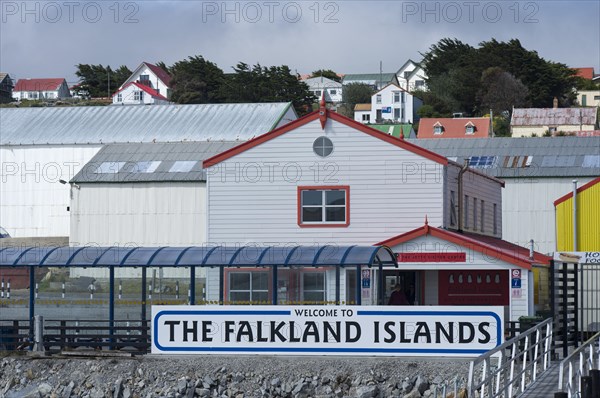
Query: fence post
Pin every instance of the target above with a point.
(595, 374)
(8, 289)
(38, 333)
(586, 387)
(2, 296)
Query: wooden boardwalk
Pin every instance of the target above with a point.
(545, 386)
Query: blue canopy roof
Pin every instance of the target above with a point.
(203, 256)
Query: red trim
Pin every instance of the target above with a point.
(147, 89)
(579, 190)
(459, 239)
(323, 188)
(337, 117)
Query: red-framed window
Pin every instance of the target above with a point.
(323, 206)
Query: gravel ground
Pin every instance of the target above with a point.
(226, 376)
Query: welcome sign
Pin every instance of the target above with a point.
(314, 330)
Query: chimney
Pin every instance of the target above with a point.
(555, 103)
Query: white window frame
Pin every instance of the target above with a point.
(378, 98)
(438, 129)
(324, 206)
(251, 290)
(323, 291)
(396, 97)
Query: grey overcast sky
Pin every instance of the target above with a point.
(48, 38)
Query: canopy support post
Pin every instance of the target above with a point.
(111, 305)
(274, 285)
(221, 284)
(193, 285)
(358, 285)
(31, 301)
(143, 295)
(337, 285)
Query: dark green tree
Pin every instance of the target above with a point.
(267, 84)
(500, 91)
(196, 81)
(328, 73)
(101, 81)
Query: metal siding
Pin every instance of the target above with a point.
(528, 211)
(588, 221)
(382, 205)
(33, 202)
(140, 214)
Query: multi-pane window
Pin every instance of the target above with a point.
(138, 95)
(119, 97)
(366, 117)
(323, 206)
(437, 129)
(378, 98)
(470, 129)
(145, 79)
(396, 96)
(248, 286)
(314, 287)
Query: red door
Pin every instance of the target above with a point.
(473, 287)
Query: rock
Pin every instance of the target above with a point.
(69, 388)
(413, 394)
(97, 393)
(437, 380)
(8, 386)
(421, 384)
(117, 389)
(181, 385)
(126, 393)
(366, 391)
(275, 382)
(428, 394)
(44, 389)
(238, 378)
(208, 381)
(406, 386)
(203, 392)
(325, 380)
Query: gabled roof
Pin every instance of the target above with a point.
(160, 73)
(369, 77)
(487, 245)
(362, 107)
(320, 82)
(415, 71)
(410, 61)
(586, 73)
(454, 127)
(3, 76)
(145, 88)
(138, 123)
(148, 162)
(334, 116)
(387, 85)
(579, 190)
(38, 84)
(553, 116)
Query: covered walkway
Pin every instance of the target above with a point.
(273, 257)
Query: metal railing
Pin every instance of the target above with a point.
(509, 369)
(579, 364)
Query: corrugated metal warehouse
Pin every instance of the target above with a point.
(535, 170)
(41, 146)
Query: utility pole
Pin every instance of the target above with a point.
(108, 86)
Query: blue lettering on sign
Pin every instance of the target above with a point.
(516, 283)
(366, 283)
(386, 109)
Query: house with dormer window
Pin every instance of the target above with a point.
(460, 127)
(148, 84)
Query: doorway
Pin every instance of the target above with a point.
(409, 281)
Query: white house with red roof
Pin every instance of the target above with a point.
(148, 84)
(41, 89)
(459, 127)
(325, 179)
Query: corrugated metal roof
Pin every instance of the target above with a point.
(553, 116)
(138, 123)
(524, 157)
(369, 77)
(136, 162)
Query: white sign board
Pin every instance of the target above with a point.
(327, 330)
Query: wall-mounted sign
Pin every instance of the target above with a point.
(326, 330)
(450, 257)
(386, 109)
(366, 278)
(578, 257)
(516, 279)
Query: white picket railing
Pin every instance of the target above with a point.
(578, 364)
(507, 370)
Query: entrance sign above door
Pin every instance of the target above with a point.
(327, 330)
(448, 257)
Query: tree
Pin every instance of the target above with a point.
(500, 91)
(100, 81)
(454, 71)
(328, 73)
(267, 84)
(196, 81)
(356, 93)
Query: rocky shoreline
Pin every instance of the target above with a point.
(150, 376)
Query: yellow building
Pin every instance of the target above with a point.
(588, 219)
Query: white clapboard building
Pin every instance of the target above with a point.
(325, 179)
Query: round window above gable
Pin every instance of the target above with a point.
(323, 146)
